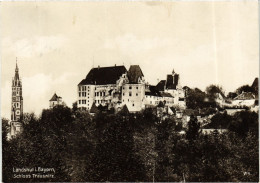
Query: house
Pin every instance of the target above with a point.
(55, 100)
(247, 99)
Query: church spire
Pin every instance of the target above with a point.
(16, 71)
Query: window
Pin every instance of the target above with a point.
(79, 94)
(79, 88)
(123, 100)
(97, 93)
(123, 88)
(88, 93)
(133, 104)
(136, 94)
(137, 87)
(130, 94)
(88, 86)
(128, 100)
(79, 101)
(123, 94)
(130, 87)
(150, 102)
(104, 93)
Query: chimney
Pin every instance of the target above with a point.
(115, 65)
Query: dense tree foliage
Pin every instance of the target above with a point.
(246, 88)
(132, 147)
(212, 91)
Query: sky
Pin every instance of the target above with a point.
(57, 43)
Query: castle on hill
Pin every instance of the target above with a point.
(117, 87)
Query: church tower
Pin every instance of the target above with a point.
(17, 103)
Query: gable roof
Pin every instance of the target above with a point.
(164, 94)
(55, 97)
(245, 96)
(160, 85)
(104, 75)
(134, 73)
(153, 91)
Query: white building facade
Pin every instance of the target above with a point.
(115, 87)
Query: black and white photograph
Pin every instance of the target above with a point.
(129, 91)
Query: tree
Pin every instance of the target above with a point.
(193, 129)
(195, 99)
(245, 88)
(114, 158)
(74, 106)
(212, 91)
(243, 122)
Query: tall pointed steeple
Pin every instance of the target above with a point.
(16, 77)
(17, 103)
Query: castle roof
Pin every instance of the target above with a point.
(160, 85)
(103, 75)
(55, 97)
(245, 96)
(164, 94)
(172, 81)
(134, 73)
(153, 91)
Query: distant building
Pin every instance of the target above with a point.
(17, 105)
(245, 99)
(55, 100)
(115, 87)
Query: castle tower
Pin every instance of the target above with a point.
(17, 104)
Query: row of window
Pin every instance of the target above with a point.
(18, 88)
(100, 94)
(130, 94)
(130, 87)
(83, 102)
(17, 93)
(17, 105)
(83, 94)
(83, 88)
(102, 101)
(16, 98)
